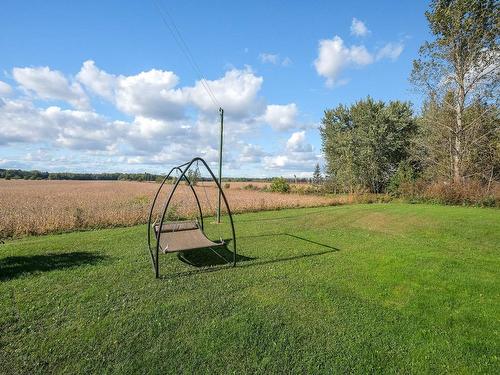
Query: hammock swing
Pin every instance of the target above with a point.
(178, 235)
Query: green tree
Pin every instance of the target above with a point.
(317, 178)
(405, 174)
(458, 68)
(363, 144)
(435, 144)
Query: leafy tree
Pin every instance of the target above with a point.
(317, 178)
(364, 144)
(405, 174)
(459, 69)
(193, 176)
(435, 144)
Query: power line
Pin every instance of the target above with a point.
(169, 22)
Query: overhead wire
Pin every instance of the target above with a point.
(168, 20)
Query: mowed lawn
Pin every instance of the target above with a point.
(388, 288)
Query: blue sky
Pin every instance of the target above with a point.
(103, 85)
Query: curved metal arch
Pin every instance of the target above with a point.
(153, 259)
(157, 264)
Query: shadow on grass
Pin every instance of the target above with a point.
(224, 264)
(293, 236)
(210, 257)
(16, 266)
(303, 214)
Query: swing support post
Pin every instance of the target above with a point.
(221, 111)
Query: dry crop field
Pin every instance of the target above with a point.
(40, 207)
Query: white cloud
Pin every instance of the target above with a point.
(276, 162)
(144, 96)
(358, 28)
(149, 136)
(390, 51)
(297, 143)
(281, 117)
(149, 128)
(283, 163)
(82, 130)
(5, 89)
(210, 154)
(359, 55)
(149, 94)
(154, 93)
(298, 156)
(188, 125)
(275, 59)
(334, 56)
(166, 155)
(51, 85)
(97, 81)
(237, 90)
(251, 153)
(144, 139)
(21, 121)
(269, 58)
(14, 164)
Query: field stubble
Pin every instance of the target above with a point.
(41, 207)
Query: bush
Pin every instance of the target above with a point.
(227, 185)
(404, 175)
(471, 193)
(280, 185)
(250, 187)
(193, 176)
(307, 189)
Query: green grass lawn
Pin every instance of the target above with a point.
(366, 288)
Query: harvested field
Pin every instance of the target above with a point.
(40, 207)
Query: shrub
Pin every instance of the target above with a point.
(227, 185)
(307, 189)
(467, 193)
(280, 185)
(193, 176)
(250, 187)
(404, 175)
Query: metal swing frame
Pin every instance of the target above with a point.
(183, 169)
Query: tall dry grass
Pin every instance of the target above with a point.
(41, 207)
(469, 193)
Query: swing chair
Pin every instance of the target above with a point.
(171, 236)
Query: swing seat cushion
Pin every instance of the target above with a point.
(182, 236)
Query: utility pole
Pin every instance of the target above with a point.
(221, 111)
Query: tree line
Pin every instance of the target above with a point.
(19, 174)
(379, 146)
(9, 174)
